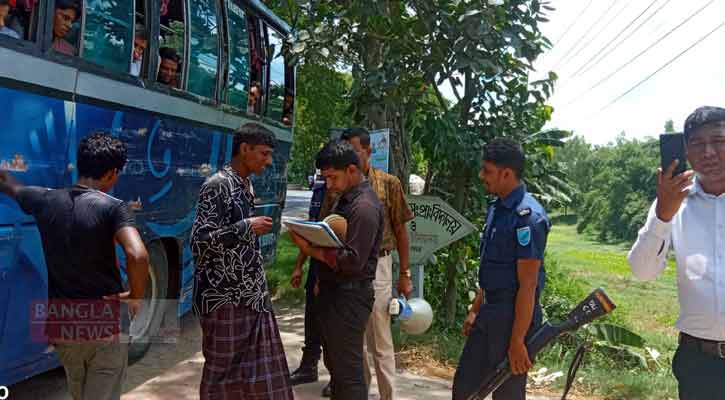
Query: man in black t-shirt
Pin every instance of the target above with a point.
(79, 227)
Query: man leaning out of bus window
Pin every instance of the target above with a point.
(140, 41)
(4, 12)
(79, 228)
(66, 13)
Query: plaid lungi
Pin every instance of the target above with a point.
(244, 356)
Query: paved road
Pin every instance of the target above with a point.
(297, 204)
(173, 371)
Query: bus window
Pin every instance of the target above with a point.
(288, 107)
(108, 33)
(276, 75)
(204, 38)
(171, 45)
(139, 59)
(238, 80)
(256, 58)
(19, 19)
(66, 26)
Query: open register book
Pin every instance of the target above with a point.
(319, 234)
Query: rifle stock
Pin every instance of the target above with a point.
(596, 305)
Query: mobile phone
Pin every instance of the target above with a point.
(672, 147)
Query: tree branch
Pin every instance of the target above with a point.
(453, 87)
(441, 100)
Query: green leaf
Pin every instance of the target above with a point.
(616, 335)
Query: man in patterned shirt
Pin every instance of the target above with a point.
(243, 352)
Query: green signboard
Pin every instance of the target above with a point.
(436, 225)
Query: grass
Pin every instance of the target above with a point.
(648, 308)
(280, 273)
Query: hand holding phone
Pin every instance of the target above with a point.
(673, 180)
(672, 147)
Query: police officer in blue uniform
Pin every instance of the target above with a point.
(312, 350)
(506, 310)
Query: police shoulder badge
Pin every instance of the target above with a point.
(524, 212)
(523, 235)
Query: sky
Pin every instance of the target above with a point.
(694, 79)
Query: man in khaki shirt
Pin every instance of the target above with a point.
(378, 338)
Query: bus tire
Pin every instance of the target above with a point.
(146, 324)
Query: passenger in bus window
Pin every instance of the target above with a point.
(255, 93)
(66, 13)
(168, 67)
(140, 42)
(288, 108)
(4, 12)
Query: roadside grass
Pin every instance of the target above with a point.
(280, 273)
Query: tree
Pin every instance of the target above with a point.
(321, 104)
(669, 126)
(401, 51)
(615, 203)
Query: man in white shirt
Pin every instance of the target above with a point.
(689, 214)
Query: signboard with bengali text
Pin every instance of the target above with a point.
(436, 225)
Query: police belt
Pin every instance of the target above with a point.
(497, 296)
(709, 347)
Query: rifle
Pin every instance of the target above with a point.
(596, 305)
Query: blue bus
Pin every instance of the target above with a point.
(172, 79)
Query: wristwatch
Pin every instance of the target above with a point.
(406, 273)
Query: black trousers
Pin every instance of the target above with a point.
(700, 376)
(343, 315)
(312, 350)
(486, 347)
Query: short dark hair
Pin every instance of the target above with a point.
(5, 3)
(253, 134)
(168, 53)
(505, 152)
(702, 116)
(360, 133)
(337, 154)
(99, 154)
(68, 5)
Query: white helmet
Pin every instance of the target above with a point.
(419, 320)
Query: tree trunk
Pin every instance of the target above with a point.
(451, 296)
(381, 115)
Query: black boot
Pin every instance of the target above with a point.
(305, 373)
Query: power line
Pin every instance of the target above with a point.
(667, 64)
(574, 22)
(617, 36)
(605, 26)
(596, 35)
(602, 56)
(633, 59)
(581, 38)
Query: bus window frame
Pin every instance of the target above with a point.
(32, 47)
(42, 48)
(225, 39)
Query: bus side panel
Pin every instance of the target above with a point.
(33, 145)
(168, 160)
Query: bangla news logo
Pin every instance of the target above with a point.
(75, 321)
